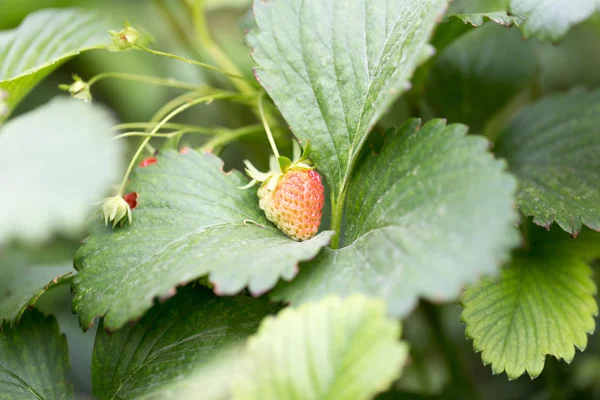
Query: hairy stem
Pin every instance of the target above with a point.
(337, 214)
(214, 51)
(178, 110)
(188, 61)
(169, 82)
(261, 110)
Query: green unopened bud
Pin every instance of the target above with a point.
(117, 210)
(79, 89)
(126, 38)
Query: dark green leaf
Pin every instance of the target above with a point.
(55, 162)
(172, 341)
(43, 41)
(333, 68)
(551, 19)
(34, 360)
(477, 75)
(552, 146)
(428, 214)
(543, 304)
(191, 220)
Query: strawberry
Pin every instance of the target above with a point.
(292, 194)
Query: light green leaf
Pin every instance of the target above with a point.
(431, 212)
(172, 342)
(55, 162)
(34, 360)
(333, 68)
(543, 304)
(552, 146)
(191, 220)
(43, 41)
(476, 76)
(551, 19)
(333, 349)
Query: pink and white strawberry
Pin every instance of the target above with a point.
(291, 195)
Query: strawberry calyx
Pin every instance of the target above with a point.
(278, 167)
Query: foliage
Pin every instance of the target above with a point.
(445, 150)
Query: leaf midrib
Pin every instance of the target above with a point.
(23, 383)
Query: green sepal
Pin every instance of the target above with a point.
(284, 163)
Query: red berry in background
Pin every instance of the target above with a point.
(296, 204)
(148, 161)
(131, 199)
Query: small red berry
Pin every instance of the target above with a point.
(148, 161)
(295, 205)
(131, 199)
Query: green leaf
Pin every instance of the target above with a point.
(463, 15)
(191, 220)
(22, 285)
(543, 304)
(34, 360)
(55, 162)
(551, 19)
(172, 341)
(552, 147)
(333, 68)
(476, 76)
(334, 349)
(428, 214)
(43, 41)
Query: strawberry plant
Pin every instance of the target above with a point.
(354, 199)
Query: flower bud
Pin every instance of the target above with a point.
(116, 209)
(126, 38)
(78, 89)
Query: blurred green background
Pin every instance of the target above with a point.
(575, 61)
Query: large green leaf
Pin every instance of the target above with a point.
(55, 162)
(333, 349)
(171, 341)
(43, 41)
(430, 213)
(333, 67)
(552, 146)
(34, 360)
(551, 19)
(543, 304)
(191, 220)
(476, 76)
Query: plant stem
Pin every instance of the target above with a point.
(187, 60)
(214, 51)
(172, 114)
(453, 360)
(337, 214)
(261, 110)
(229, 136)
(150, 125)
(169, 82)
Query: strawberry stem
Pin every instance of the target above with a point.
(169, 82)
(261, 110)
(178, 110)
(188, 61)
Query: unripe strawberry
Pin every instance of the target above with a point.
(296, 204)
(291, 195)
